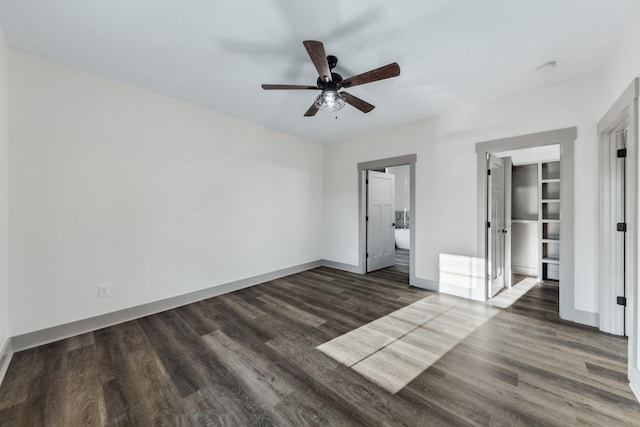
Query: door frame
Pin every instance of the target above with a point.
(566, 138)
(606, 266)
(363, 167)
(626, 107)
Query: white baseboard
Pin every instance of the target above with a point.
(579, 316)
(5, 358)
(527, 271)
(636, 390)
(445, 288)
(56, 333)
(342, 266)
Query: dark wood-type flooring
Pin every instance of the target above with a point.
(517, 278)
(249, 358)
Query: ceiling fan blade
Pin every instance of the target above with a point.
(280, 87)
(361, 105)
(316, 52)
(386, 72)
(312, 110)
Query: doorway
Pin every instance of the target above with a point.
(387, 215)
(566, 139)
(613, 228)
(532, 215)
(402, 217)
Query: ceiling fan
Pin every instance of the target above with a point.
(331, 98)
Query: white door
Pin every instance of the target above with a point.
(621, 215)
(613, 317)
(496, 226)
(381, 245)
(508, 175)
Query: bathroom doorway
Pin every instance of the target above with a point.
(402, 217)
(387, 215)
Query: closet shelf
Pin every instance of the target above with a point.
(524, 221)
(550, 194)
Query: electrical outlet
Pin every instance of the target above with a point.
(104, 290)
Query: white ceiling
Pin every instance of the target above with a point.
(452, 53)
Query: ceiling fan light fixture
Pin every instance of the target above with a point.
(330, 101)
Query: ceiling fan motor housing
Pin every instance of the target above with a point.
(333, 84)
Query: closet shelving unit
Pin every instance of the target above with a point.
(549, 198)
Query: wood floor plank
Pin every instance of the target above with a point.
(261, 378)
(83, 391)
(249, 358)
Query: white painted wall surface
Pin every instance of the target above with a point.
(622, 66)
(532, 155)
(403, 196)
(4, 201)
(110, 183)
(445, 217)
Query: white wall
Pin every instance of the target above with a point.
(445, 217)
(4, 177)
(527, 156)
(403, 196)
(622, 66)
(113, 184)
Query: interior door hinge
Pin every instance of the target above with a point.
(366, 218)
(489, 172)
(621, 153)
(367, 255)
(621, 226)
(622, 301)
(366, 182)
(488, 224)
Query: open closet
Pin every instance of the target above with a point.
(535, 219)
(535, 212)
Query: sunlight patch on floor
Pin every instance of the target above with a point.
(393, 350)
(507, 297)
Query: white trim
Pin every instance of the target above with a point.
(55, 333)
(436, 286)
(5, 359)
(341, 266)
(525, 271)
(635, 389)
(585, 318)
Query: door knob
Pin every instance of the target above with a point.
(393, 225)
